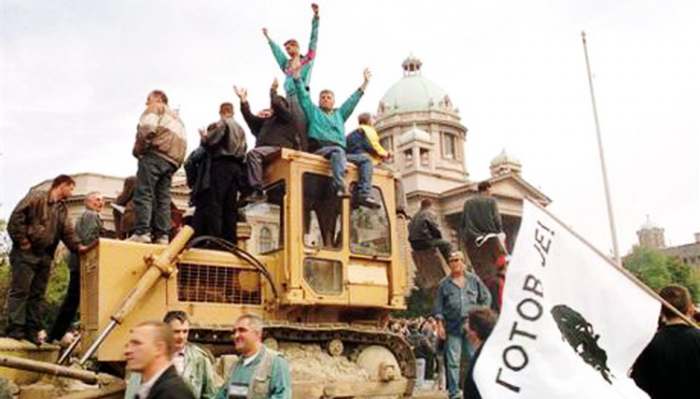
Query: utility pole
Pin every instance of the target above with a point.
(611, 216)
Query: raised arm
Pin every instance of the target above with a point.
(277, 52)
(278, 104)
(313, 40)
(253, 121)
(349, 105)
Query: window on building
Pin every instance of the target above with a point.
(408, 157)
(425, 157)
(449, 146)
(369, 229)
(265, 242)
(388, 143)
(270, 214)
(323, 223)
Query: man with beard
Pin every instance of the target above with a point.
(297, 62)
(273, 129)
(216, 209)
(259, 372)
(88, 227)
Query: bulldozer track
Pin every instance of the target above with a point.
(323, 333)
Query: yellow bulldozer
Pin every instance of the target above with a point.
(325, 275)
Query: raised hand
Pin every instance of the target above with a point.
(367, 76)
(275, 85)
(314, 7)
(242, 93)
(265, 33)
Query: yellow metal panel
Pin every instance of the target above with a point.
(367, 274)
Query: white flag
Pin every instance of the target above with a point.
(571, 324)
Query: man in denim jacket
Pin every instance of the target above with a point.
(457, 294)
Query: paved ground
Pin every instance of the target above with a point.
(427, 394)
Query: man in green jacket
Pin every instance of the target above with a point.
(259, 373)
(193, 364)
(296, 62)
(327, 128)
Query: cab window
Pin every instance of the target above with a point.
(323, 222)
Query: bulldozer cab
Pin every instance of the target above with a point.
(313, 257)
(329, 250)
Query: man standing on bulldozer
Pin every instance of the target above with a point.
(482, 232)
(36, 225)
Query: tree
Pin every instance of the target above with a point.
(657, 270)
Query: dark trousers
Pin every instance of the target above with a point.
(216, 210)
(483, 260)
(255, 160)
(152, 195)
(443, 246)
(69, 307)
(30, 276)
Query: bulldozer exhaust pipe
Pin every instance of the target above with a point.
(14, 362)
(158, 266)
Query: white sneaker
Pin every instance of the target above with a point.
(162, 240)
(143, 238)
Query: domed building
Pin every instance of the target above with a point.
(418, 122)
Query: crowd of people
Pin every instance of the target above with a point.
(224, 174)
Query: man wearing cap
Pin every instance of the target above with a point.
(457, 294)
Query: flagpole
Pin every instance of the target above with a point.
(619, 268)
(611, 216)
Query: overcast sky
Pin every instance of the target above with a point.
(74, 77)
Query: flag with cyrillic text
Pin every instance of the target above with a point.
(571, 325)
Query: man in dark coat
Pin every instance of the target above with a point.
(669, 366)
(273, 128)
(149, 352)
(36, 225)
(89, 228)
(216, 209)
(482, 233)
(424, 233)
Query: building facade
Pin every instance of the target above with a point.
(418, 122)
(652, 236)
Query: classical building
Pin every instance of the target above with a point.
(652, 236)
(418, 122)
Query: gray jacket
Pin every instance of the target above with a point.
(88, 227)
(225, 140)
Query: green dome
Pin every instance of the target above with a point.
(414, 92)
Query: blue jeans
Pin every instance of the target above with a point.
(456, 348)
(364, 165)
(152, 195)
(336, 154)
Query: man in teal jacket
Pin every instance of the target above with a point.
(327, 128)
(259, 373)
(296, 62)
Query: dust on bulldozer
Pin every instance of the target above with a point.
(325, 277)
